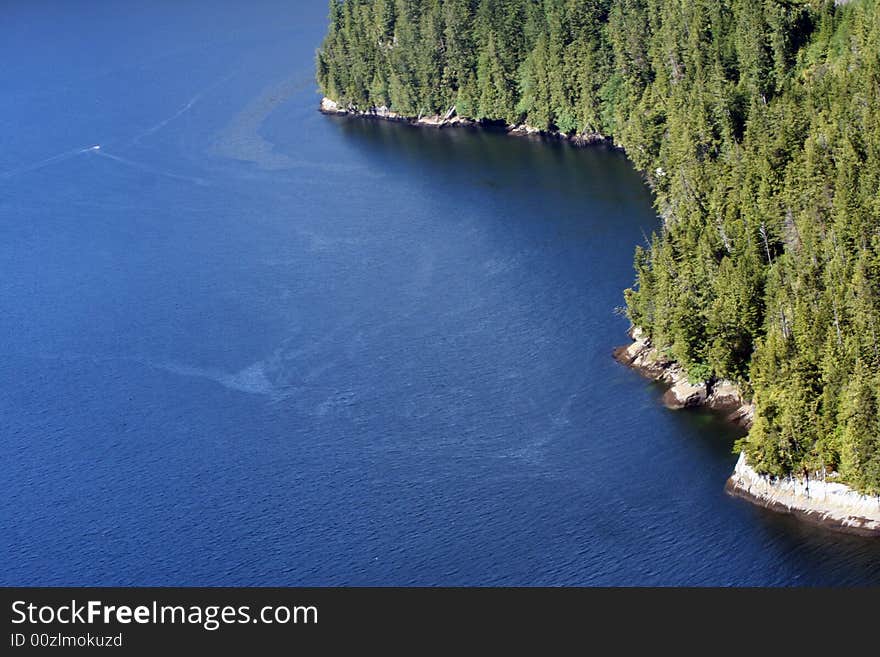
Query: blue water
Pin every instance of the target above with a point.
(244, 343)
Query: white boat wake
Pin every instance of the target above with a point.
(49, 161)
(150, 169)
(97, 150)
(180, 112)
(164, 122)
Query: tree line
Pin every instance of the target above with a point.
(757, 123)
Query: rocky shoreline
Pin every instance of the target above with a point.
(829, 504)
(721, 395)
(823, 502)
(826, 503)
(449, 119)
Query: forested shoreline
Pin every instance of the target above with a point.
(758, 125)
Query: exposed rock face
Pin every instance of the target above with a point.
(721, 395)
(725, 397)
(826, 503)
(725, 394)
(684, 394)
(642, 356)
(329, 106)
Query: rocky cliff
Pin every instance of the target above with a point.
(450, 118)
(720, 395)
(821, 501)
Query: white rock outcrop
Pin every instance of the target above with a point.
(827, 503)
(684, 394)
(329, 106)
(451, 118)
(721, 395)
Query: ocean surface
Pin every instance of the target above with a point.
(244, 343)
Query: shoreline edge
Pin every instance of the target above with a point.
(831, 505)
(820, 501)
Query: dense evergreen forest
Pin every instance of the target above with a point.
(757, 123)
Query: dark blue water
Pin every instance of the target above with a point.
(245, 343)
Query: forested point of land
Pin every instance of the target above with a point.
(757, 123)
